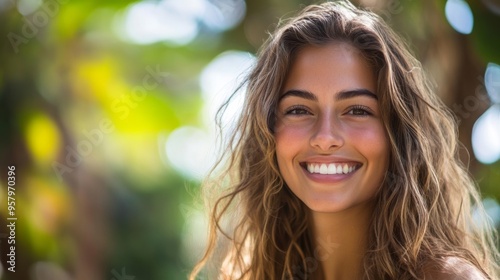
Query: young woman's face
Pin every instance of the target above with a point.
(331, 145)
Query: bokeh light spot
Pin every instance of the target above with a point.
(222, 15)
(191, 151)
(492, 209)
(42, 139)
(459, 16)
(219, 80)
(486, 136)
(148, 22)
(26, 7)
(179, 22)
(492, 82)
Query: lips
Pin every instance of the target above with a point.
(331, 168)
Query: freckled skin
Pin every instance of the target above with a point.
(350, 128)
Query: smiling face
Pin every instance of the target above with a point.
(331, 145)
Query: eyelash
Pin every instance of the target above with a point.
(366, 110)
(301, 110)
(293, 110)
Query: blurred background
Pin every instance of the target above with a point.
(107, 109)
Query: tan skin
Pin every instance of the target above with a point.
(329, 114)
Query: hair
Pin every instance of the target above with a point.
(423, 212)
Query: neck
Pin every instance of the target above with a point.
(340, 242)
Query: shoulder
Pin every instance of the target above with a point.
(454, 269)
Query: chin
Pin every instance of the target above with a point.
(326, 206)
(335, 206)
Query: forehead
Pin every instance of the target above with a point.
(332, 67)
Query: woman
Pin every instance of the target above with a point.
(344, 164)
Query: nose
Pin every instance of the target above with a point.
(327, 135)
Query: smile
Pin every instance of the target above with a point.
(331, 168)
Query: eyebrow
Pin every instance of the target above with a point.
(342, 95)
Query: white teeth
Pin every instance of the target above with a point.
(323, 169)
(331, 168)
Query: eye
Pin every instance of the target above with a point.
(359, 110)
(297, 111)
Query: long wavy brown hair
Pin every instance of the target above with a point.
(423, 212)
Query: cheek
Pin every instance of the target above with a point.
(290, 141)
(373, 144)
(372, 139)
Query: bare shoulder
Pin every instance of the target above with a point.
(454, 269)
